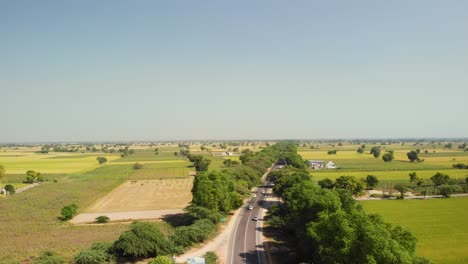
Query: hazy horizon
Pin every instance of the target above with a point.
(147, 71)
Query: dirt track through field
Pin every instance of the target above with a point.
(121, 216)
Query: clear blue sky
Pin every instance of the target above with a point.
(151, 70)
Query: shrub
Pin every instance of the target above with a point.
(137, 166)
(143, 239)
(447, 190)
(102, 219)
(101, 160)
(69, 211)
(10, 189)
(186, 236)
(210, 257)
(161, 260)
(49, 257)
(89, 256)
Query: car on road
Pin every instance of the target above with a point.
(254, 195)
(250, 207)
(255, 218)
(263, 191)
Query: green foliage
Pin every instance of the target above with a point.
(198, 212)
(340, 237)
(215, 191)
(447, 190)
(102, 219)
(10, 189)
(89, 256)
(201, 164)
(401, 189)
(199, 231)
(440, 179)
(413, 156)
(329, 227)
(244, 173)
(161, 260)
(326, 183)
(371, 181)
(230, 163)
(289, 180)
(49, 257)
(360, 150)
(137, 166)
(33, 176)
(99, 252)
(210, 257)
(375, 151)
(349, 183)
(460, 166)
(101, 160)
(143, 239)
(387, 157)
(332, 152)
(69, 211)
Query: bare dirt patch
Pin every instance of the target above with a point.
(146, 195)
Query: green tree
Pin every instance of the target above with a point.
(33, 176)
(10, 189)
(360, 150)
(326, 183)
(447, 190)
(102, 219)
(69, 211)
(371, 181)
(401, 189)
(349, 183)
(387, 157)
(216, 191)
(413, 156)
(413, 176)
(101, 160)
(440, 179)
(142, 239)
(137, 166)
(375, 151)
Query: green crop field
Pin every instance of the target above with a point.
(438, 224)
(151, 171)
(51, 163)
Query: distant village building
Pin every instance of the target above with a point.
(226, 153)
(321, 164)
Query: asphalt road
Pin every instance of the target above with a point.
(245, 243)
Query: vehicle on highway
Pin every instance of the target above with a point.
(250, 207)
(254, 195)
(255, 218)
(263, 191)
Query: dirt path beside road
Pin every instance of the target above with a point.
(129, 215)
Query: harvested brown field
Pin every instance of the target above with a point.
(140, 195)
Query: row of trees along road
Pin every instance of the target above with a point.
(215, 193)
(327, 225)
